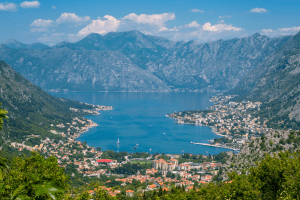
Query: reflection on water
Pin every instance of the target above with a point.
(139, 118)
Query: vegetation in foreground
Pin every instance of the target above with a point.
(275, 177)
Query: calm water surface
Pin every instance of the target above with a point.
(139, 118)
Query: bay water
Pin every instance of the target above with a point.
(139, 121)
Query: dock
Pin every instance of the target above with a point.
(212, 145)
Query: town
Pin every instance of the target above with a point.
(148, 172)
(235, 121)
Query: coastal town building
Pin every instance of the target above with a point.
(161, 164)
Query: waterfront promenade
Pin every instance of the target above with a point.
(213, 145)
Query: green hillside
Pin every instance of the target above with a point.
(31, 111)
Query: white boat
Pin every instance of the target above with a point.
(118, 141)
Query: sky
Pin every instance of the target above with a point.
(50, 22)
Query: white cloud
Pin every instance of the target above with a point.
(98, 26)
(281, 31)
(225, 16)
(193, 24)
(72, 18)
(41, 23)
(167, 29)
(197, 10)
(39, 29)
(54, 7)
(205, 33)
(155, 19)
(155, 24)
(267, 31)
(8, 6)
(30, 4)
(258, 10)
(52, 38)
(290, 30)
(219, 27)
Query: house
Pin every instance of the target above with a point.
(206, 178)
(186, 175)
(196, 176)
(151, 171)
(174, 161)
(202, 182)
(91, 192)
(65, 157)
(129, 193)
(151, 187)
(187, 189)
(184, 167)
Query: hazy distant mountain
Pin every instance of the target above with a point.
(276, 81)
(14, 44)
(132, 61)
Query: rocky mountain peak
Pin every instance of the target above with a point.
(12, 41)
(14, 44)
(132, 61)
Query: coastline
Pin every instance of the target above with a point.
(91, 124)
(197, 124)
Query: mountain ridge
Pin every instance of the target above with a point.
(14, 44)
(276, 82)
(132, 61)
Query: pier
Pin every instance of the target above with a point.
(212, 145)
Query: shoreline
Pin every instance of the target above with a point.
(212, 127)
(210, 91)
(92, 124)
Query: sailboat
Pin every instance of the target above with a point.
(118, 145)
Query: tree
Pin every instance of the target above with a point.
(2, 116)
(34, 178)
(278, 177)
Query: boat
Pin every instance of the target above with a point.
(118, 141)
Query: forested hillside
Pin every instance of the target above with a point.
(30, 109)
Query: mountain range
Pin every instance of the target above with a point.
(14, 44)
(276, 82)
(132, 61)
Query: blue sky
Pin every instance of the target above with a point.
(50, 22)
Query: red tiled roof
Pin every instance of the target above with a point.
(104, 160)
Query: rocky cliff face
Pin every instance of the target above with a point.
(131, 61)
(276, 81)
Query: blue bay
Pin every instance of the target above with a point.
(139, 118)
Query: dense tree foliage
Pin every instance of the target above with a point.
(33, 178)
(131, 168)
(2, 116)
